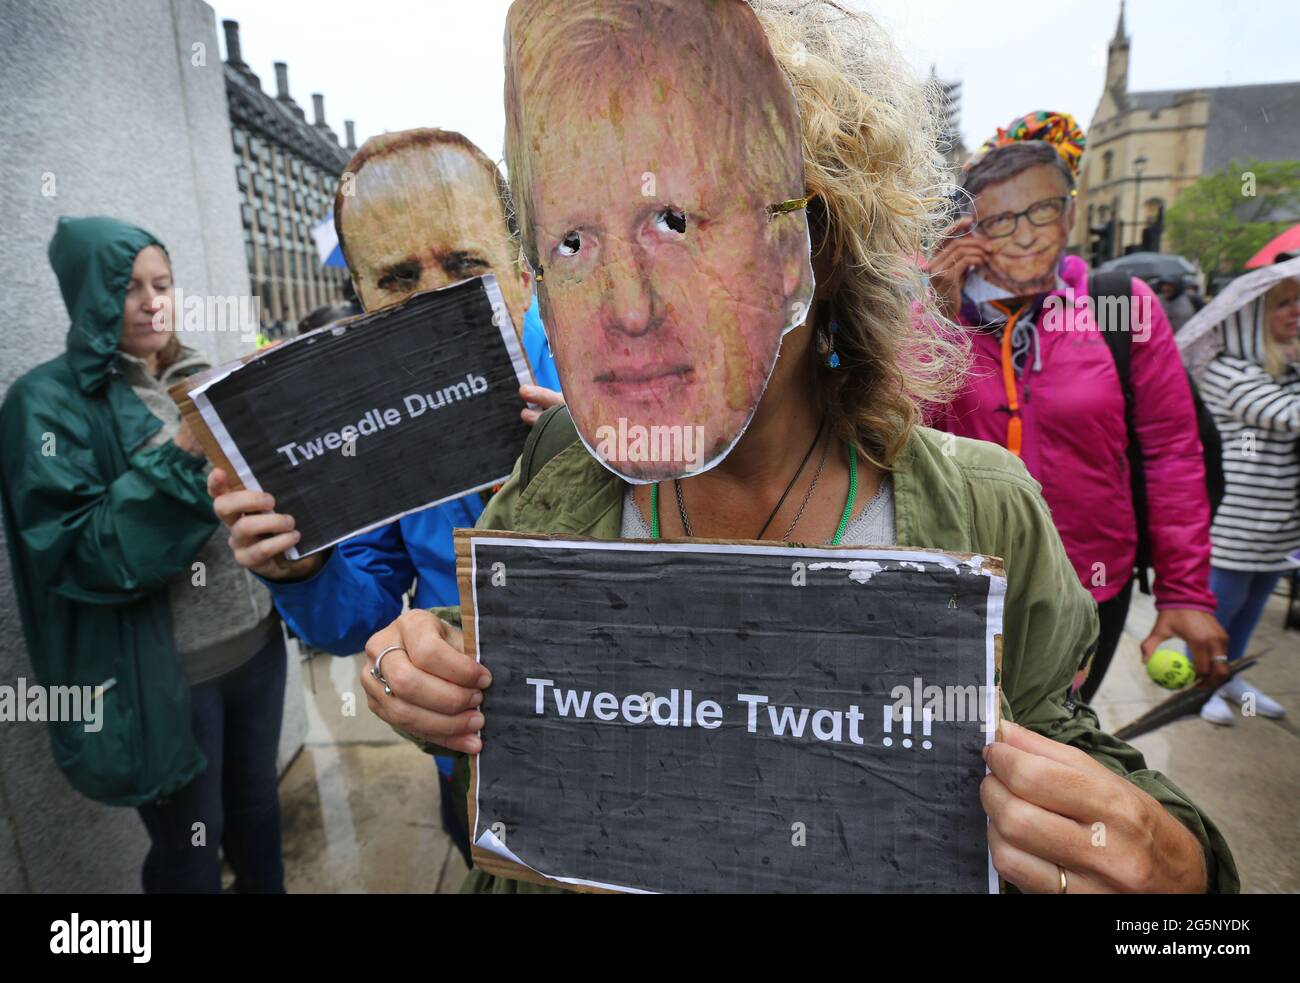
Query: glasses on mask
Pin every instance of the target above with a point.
(1040, 213)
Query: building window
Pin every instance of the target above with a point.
(1107, 164)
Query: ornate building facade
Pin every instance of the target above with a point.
(1146, 148)
(287, 170)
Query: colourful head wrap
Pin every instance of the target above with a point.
(1058, 129)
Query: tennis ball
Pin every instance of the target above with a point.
(1169, 668)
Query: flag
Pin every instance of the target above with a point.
(327, 243)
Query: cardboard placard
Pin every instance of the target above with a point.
(695, 716)
(359, 423)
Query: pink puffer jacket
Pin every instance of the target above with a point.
(1075, 443)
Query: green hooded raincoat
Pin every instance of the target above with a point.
(95, 529)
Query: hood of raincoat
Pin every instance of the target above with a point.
(1243, 332)
(93, 257)
(97, 524)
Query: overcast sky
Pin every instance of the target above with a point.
(396, 64)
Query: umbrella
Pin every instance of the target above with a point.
(1148, 266)
(328, 250)
(1287, 242)
(1199, 340)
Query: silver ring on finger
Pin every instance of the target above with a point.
(378, 672)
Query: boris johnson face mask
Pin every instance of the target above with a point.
(656, 159)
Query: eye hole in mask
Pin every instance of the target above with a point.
(570, 244)
(670, 220)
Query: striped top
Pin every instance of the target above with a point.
(1258, 416)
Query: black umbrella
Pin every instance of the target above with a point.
(1149, 266)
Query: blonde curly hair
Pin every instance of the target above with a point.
(871, 158)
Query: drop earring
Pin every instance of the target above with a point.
(833, 359)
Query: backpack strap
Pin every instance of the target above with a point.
(1104, 288)
(552, 433)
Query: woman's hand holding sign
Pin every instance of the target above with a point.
(430, 688)
(1058, 817)
(258, 536)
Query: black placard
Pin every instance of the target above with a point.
(798, 796)
(355, 425)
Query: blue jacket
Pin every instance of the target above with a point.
(360, 588)
(538, 349)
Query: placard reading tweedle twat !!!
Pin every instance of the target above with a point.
(712, 717)
(357, 424)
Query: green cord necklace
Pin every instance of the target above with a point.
(844, 516)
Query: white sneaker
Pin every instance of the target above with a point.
(1218, 711)
(1237, 689)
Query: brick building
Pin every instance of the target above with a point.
(287, 170)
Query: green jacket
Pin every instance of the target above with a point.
(949, 493)
(95, 527)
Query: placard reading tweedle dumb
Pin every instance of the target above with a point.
(709, 717)
(356, 424)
